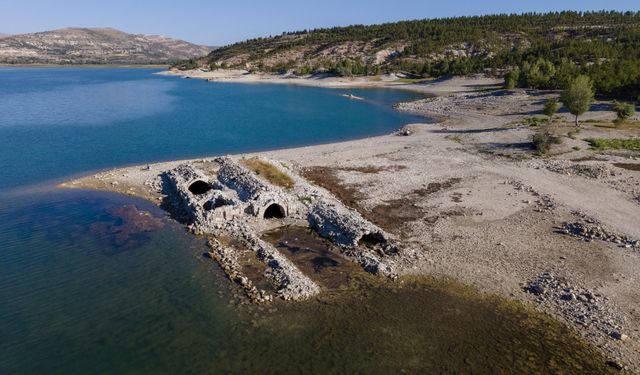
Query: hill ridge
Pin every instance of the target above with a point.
(95, 45)
(604, 45)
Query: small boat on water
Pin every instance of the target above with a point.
(353, 97)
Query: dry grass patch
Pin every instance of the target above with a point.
(269, 172)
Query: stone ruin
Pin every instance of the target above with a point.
(235, 203)
(235, 193)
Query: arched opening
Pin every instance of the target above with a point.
(199, 187)
(215, 203)
(372, 239)
(274, 211)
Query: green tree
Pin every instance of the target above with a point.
(623, 111)
(538, 74)
(578, 96)
(344, 68)
(550, 107)
(566, 71)
(511, 79)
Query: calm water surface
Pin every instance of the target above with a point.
(87, 285)
(55, 122)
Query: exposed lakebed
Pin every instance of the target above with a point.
(101, 283)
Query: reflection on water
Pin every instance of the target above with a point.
(89, 104)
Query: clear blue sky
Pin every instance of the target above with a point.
(215, 22)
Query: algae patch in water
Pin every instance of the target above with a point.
(422, 326)
(367, 324)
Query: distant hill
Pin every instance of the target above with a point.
(605, 45)
(4, 35)
(95, 46)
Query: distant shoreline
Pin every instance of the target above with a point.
(141, 66)
(386, 81)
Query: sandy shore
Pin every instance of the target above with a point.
(468, 196)
(383, 81)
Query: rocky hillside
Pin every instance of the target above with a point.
(95, 46)
(436, 47)
(549, 49)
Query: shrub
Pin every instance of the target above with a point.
(572, 133)
(543, 140)
(303, 70)
(623, 111)
(533, 121)
(511, 79)
(550, 107)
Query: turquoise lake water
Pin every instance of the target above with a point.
(87, 288)
(56, 122)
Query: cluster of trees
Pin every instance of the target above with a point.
(349, 67)
(187, 65)
(577, 98)
(343, 68)
(619, 77)
(432, 35)
(448, 66)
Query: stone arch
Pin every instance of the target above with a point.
(372, 239)
(274, 211)
(199, 187)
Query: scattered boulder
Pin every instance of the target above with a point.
(589, 229)
(592, 171)
(581, 306)
(404, 131)
(617, 335)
